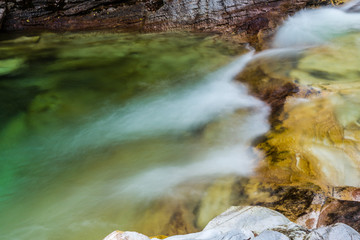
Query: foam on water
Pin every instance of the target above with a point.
(316, 26)
(233, 157)
(173, 112)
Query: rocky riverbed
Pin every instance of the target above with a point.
(310, 169)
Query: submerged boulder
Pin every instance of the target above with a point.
(315, 114)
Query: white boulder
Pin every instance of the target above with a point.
(253, 222)
(337, 231)
(271, 235)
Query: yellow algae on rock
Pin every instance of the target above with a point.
(159, 237)
(315, 135)
(333, 64)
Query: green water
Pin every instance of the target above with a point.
(88, 120)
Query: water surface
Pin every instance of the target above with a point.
(94, 126)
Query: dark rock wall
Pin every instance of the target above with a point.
(230, 16)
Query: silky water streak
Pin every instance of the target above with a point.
(140, 151)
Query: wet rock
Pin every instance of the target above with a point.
(338, 211)
(253, 21)
(314, 136)
(293, 202)
(335, 232)
(244, 223)
(252, 219)
(315, 131)
(169, 216)
(271, 235)
(216, 200)
(115, 235)
(216, 235)
(292, 230)
(269, 87)
(118, 235)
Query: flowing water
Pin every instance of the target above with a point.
(320, 50)
(96, 125)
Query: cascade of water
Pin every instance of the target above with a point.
(316, 26)
(193, 131)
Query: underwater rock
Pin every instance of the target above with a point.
(315, 136)
(311, 168)
(253, 21)
(253, 222)
(271, 235)
(293, 202)
(22, 39)
(8, 66)
(169, 216)
(216, 199)
(306, 205)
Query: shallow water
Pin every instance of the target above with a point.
(94, 126)
(319, 50)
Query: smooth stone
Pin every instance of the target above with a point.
(253, 222)
(338, 231)
(250, 218)
(271, 235)
(119, 235)
(215, 234)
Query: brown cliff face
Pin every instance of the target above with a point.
(252, 20)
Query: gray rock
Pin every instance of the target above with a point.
(242, 223)
(271, 235)
(118, 235)
(337, 231)
(252, 218)
(215, 234)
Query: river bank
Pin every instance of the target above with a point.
(247, 21)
